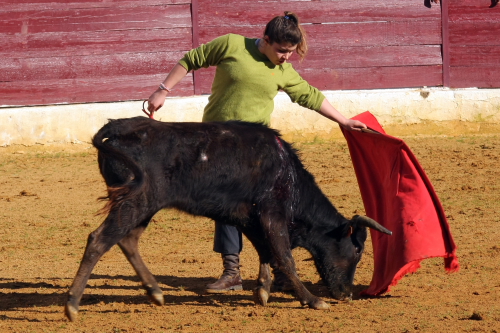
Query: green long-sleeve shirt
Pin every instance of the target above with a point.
(246, 82)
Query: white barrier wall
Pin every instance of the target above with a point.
(438, 111)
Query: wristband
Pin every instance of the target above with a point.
(163, 87)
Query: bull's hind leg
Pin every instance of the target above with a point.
(276, 232)
(114, 228)
(98, 243)
(130, 247)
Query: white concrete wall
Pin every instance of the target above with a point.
(400, 111)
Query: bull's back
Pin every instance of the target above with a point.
(217, 166)
(197, 167)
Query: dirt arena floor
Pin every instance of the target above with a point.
(47, 209)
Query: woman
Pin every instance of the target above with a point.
(249, 74)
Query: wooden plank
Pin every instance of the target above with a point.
(96, 42)
(195, 18)
(476, 76)
(216, 13)
(470, 3)
(475, 33)
(370, 56)
(101, 89)
(360, 78)
(345, 34)
(374, 33)
(475, 56)
(477, 10)
(195, 10)
(374, 77)
(92, 19)
(91, 66)
(445, 5)
(484, 15)
(209, 33)
(57, 5)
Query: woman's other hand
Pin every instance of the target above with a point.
(353, 125)
(156, 100)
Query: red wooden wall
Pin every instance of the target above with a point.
(474, 44)
(55, 51)
(353, 44)
(59, 51)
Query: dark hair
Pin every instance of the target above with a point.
(283, 29)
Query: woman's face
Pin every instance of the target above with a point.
(277, 53)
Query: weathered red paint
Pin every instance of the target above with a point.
(96, 89)
(90, 51)
(353, 44)
(54, 51)
(474, 44)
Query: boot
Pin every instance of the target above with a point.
(280, 281)
(230, 279)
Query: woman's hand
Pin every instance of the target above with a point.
(330, 112)
(156, 100)
(353, 125)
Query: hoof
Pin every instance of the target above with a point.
(156, 297)
(319, 304)
(71, 311)
(260, 296)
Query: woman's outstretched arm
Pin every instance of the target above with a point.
(157, 99)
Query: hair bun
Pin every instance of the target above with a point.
(292, 17)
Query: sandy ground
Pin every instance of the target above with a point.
(47, 209)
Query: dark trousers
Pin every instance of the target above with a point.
(227, 239)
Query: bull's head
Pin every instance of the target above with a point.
(338, 252)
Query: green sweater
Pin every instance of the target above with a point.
(246, 82)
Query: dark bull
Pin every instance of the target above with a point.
(237, 172)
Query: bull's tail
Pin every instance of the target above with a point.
(108, 142)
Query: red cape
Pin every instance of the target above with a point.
(397, 193)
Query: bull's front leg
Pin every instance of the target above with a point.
(277, 234)
(287, 265)
(264, 281)
(254, 233)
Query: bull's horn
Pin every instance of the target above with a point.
(370, 223)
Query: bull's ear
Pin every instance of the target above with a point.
(348, 230)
